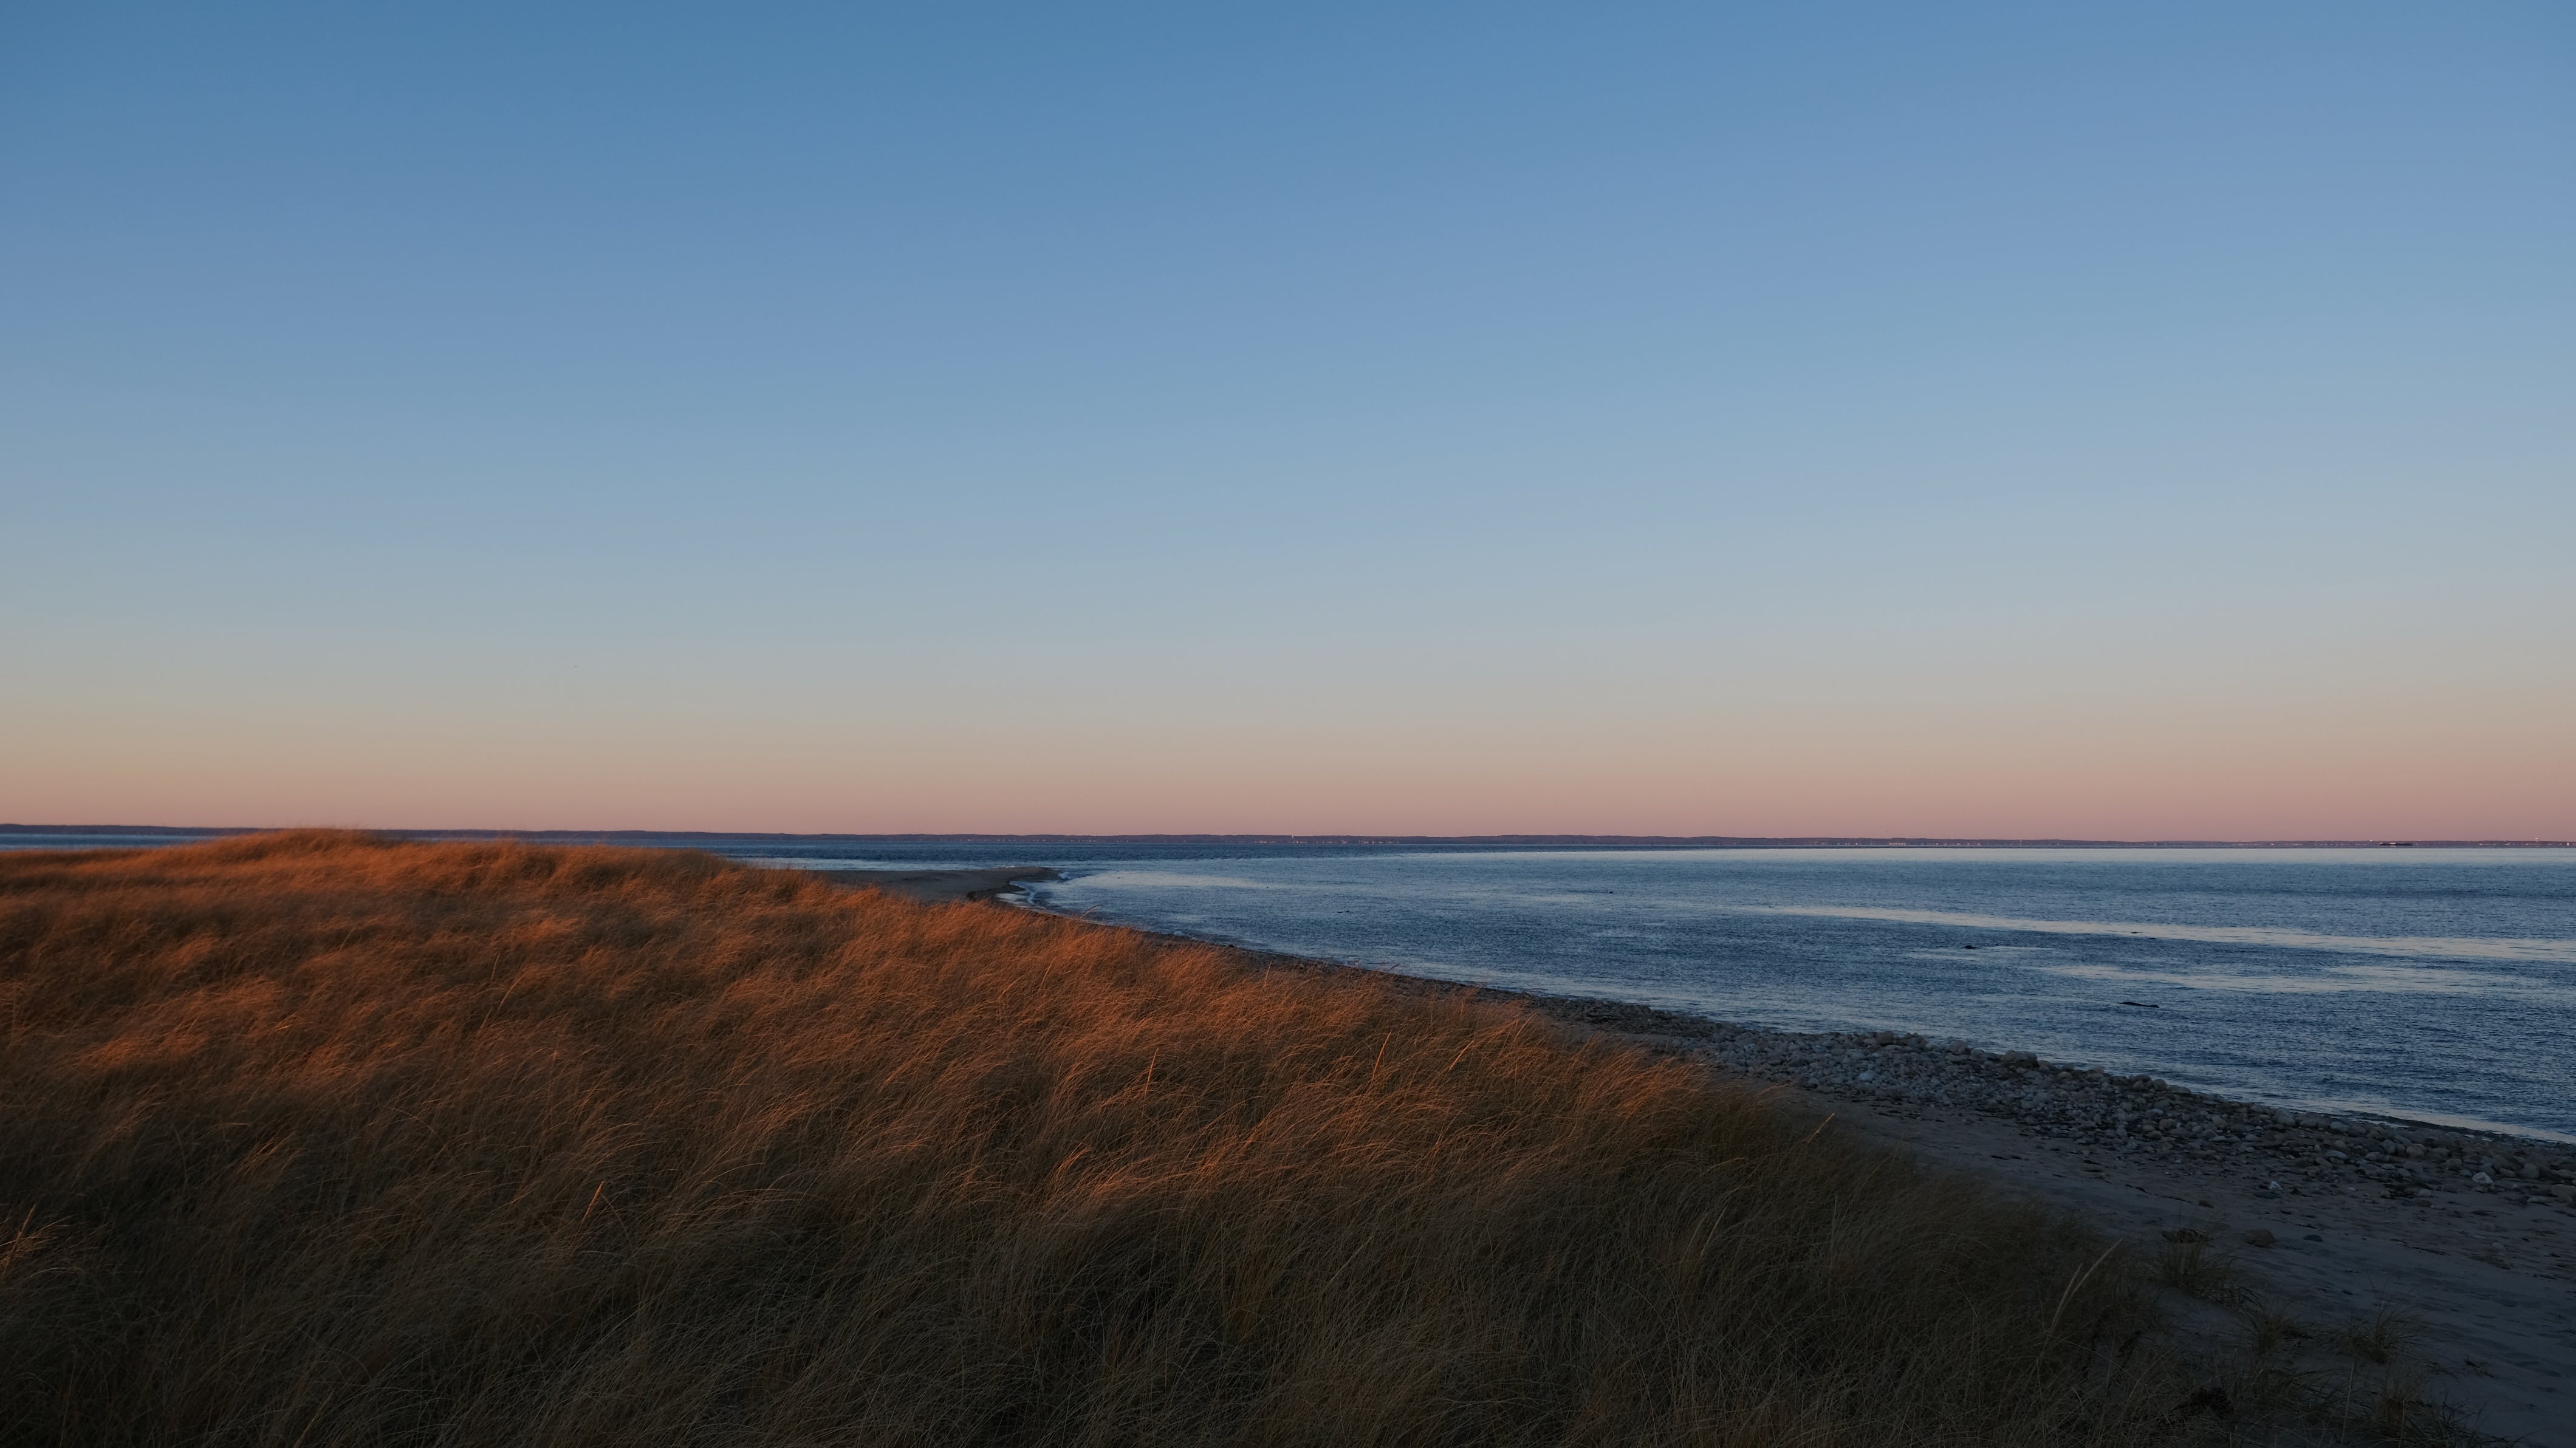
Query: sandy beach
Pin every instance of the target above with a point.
(2451, 1250)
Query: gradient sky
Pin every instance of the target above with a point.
(2117, 421)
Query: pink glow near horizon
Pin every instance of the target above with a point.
(2219, 779)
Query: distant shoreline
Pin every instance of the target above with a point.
(1649, 842)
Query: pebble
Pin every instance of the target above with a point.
(2139, 1118)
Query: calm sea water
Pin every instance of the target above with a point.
(2438, 985)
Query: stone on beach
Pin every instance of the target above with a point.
(2277, 1150)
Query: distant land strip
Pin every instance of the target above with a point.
(1657, 842)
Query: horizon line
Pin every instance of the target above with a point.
(1328, 839)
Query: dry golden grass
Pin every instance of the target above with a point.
(316, 1139)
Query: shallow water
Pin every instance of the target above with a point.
(2433, 984)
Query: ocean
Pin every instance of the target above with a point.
(2431, 984)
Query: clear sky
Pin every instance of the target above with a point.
(2135, 421)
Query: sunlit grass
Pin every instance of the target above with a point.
(316, 1139)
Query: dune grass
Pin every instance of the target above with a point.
(315, 1139)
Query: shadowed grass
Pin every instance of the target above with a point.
(317, 1139)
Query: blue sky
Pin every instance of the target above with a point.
(2139, 421)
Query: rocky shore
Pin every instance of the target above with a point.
(2144, 1120)
(2458, 1247)
(2126, 1121)
(2129, 1122)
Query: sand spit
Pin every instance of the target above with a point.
(941, 887)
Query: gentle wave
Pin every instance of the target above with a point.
(1165, 879)
(2561, 952)
(2335, 980)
